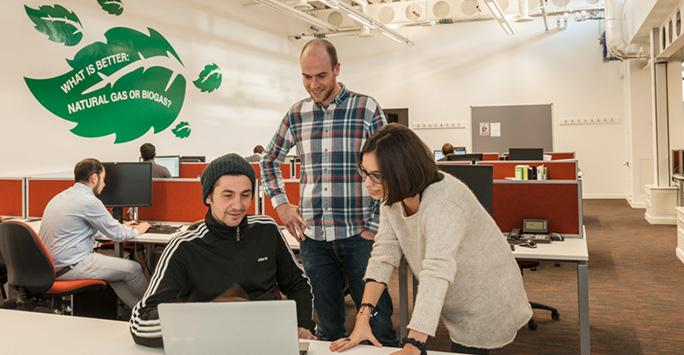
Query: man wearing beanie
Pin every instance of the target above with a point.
(228, 251)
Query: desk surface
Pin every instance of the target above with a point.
(571, 249)
(56, 334)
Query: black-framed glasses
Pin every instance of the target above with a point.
(375, 177)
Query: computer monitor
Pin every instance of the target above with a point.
(479, 178)
(438, 155)
(525, 154)
(127, 185)
(171, 162)
(193, 159)
(459, 150)
(465, 157)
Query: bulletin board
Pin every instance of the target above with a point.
(497, 128)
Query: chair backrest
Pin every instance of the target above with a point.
(28, 263)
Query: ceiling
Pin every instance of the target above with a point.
(391, 14)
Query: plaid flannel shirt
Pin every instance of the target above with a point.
(334, 201)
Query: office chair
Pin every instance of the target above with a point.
(5, 303)
(31, 272)
(530, 264)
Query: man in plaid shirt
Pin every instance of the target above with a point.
(336, 219)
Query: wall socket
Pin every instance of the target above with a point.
(438, 125)
(589, 120)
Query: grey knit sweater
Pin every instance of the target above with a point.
(467, 273)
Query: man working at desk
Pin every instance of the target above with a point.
(148, 152)
(228, 248)
(73, 219)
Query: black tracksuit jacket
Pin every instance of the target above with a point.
(199, 265)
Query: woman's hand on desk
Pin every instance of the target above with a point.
(362, 331)
(141, 227)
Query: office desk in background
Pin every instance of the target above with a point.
(43, 333)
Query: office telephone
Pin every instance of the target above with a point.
(533, 231)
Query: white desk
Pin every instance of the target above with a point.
(43, 333)
(570, 250)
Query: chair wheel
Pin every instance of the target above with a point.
(555, 315)
(532, 324)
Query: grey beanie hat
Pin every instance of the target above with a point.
(225, 165)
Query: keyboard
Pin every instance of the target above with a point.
(163, 229)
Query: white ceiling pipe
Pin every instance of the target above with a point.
(524, 11)
(543, 11)
(614, 36)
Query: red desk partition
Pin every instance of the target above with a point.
(292, 192)
(40, 191)
(191, 170)
(490, 156)
(556, 170)
(12, 197)
(285, 169)
(561, 155)
(177, 200)
(559, 202)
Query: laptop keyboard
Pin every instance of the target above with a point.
(163, 229)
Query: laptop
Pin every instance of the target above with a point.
(239, 328)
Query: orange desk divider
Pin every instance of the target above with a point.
(12, 197)
(556, 170)
(490, 156)
(257, 170)
(285, 169)
(174, 200)
(41, 190)
(191, 170)
(561, 155)
(292, 191)
(559, 202)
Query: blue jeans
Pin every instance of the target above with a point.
(328, 264)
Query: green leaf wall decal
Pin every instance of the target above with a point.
(113, 7)
(209, 79)
(58, 23)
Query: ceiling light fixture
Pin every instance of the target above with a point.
(370, 22)
(298, 14)
(302, 5)
(499, 15)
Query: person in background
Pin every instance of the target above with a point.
(447, 149)
(336, 219)
(148, 152)
(465, 268)
(71, 222)
(229, 254)
(258, 153)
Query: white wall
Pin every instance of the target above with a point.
(453, 67)
(261, 79)
(450, 68)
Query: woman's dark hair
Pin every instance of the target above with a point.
(406, 163)
(85, 168)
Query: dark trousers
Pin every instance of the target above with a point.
(328, 265)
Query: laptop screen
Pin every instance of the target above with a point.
(230, 327)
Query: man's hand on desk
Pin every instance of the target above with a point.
(294, 222)
(141, 227)
(304, 333)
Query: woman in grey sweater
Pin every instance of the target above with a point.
(467, 273)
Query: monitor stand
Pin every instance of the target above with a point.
(117, 213)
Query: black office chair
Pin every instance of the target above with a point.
(5, 303)
(31, 272)
(532, 324)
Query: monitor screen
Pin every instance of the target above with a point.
(459, 150)
(525, 154)
(127, 185)
(193, 158)
(171, 162)
(465, 157)
(479, 178)
(438, 155)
